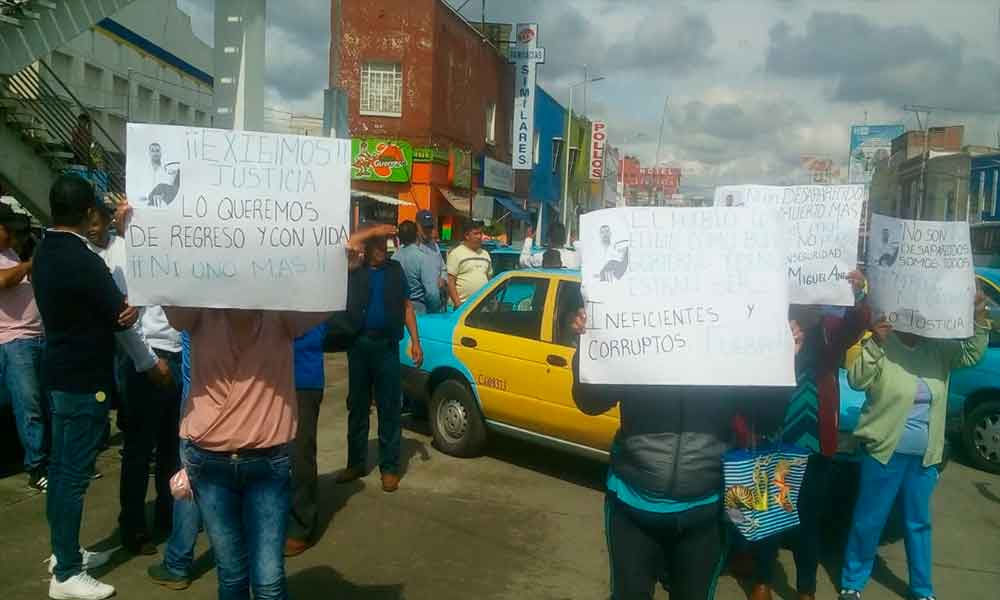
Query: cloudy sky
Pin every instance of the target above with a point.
(752, 84)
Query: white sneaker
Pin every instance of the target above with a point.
(79, 587)
(91, 560)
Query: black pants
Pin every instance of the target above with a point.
(302, 519)
(154, 417)
(374, 363)
(808, 537)
(644, 547)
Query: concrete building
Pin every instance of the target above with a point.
(144, 64)
(428, 100)
(240, 64)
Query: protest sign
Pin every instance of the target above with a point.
(685, 296)
(921, 276)
(822, 228)
(237, 219)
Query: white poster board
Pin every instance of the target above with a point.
(685, 296)
(921, 276)
(237, 219)
(822, 227)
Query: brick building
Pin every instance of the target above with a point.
(429, 101)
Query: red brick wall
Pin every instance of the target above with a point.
(449, 74)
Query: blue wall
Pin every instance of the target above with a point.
(550, 122)
(983, 186)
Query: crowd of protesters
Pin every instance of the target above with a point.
(225, 404)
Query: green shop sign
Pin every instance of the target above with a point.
(431, 155)
(381, 160)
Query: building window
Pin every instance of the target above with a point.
(199, 117)
(230, 49)
(535, 149)
(226, 80)
(573, 153)
(382, 89)
(183, 113)
(557, 146)
(232, 19)
(491, 124)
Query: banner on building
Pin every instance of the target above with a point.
(673, 293)
(598, 139)
(821, 225)
(921, 276)
(660, 179)
(460, 168)
(237, 219)
(526, 55)
(497, 175)
(381, 160)
(869, 145)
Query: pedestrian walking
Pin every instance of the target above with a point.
(469, 265)
(422, 268)
(379, 308)
(901, 431)
(811, 422)
(309, 384)
(429, 246)
(21, 345)
(662, 507)
(81, 307)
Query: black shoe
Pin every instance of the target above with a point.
(849, 595)
(38, 480)
(138, 544)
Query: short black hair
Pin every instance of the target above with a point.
(473, 225)
(557, 235)
(407, 232)
(70, 200)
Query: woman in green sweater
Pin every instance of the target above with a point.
(901, 431)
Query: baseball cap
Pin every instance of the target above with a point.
(425, 218)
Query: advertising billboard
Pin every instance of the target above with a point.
(381, 160)
(869, 145)
(526, 55)
(598, 137)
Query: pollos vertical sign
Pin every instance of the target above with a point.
(598, 137)
(525, 55)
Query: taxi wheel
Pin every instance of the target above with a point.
(455, 419)
(982, 436)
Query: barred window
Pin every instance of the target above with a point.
(382, 89)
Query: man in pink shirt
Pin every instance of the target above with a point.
(238, 422)
(21, 344)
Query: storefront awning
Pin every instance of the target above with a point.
(358, 195)
(459, 201)
(516, 212)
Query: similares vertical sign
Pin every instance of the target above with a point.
(526, 55)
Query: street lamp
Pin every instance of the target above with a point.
(569, 134)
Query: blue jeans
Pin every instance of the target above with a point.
(20, 367)
(906, 477)
(179, 554)
(244, 500)
(77, 426)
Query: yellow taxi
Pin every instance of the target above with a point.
(502, 363)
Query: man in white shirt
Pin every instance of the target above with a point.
(569, 257)
(151, 398)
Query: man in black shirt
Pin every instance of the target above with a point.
(81, 308)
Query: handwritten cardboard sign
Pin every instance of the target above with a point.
(685, 296)
(921, 276)
(822, 227)
(237, 219)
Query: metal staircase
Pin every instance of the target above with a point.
(40, 135)
(30, 29)
(41, 113)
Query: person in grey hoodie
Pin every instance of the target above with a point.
(663, 505)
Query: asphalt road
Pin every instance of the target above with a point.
(520, 522)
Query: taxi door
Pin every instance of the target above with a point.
(499, 341)
(559, 417)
